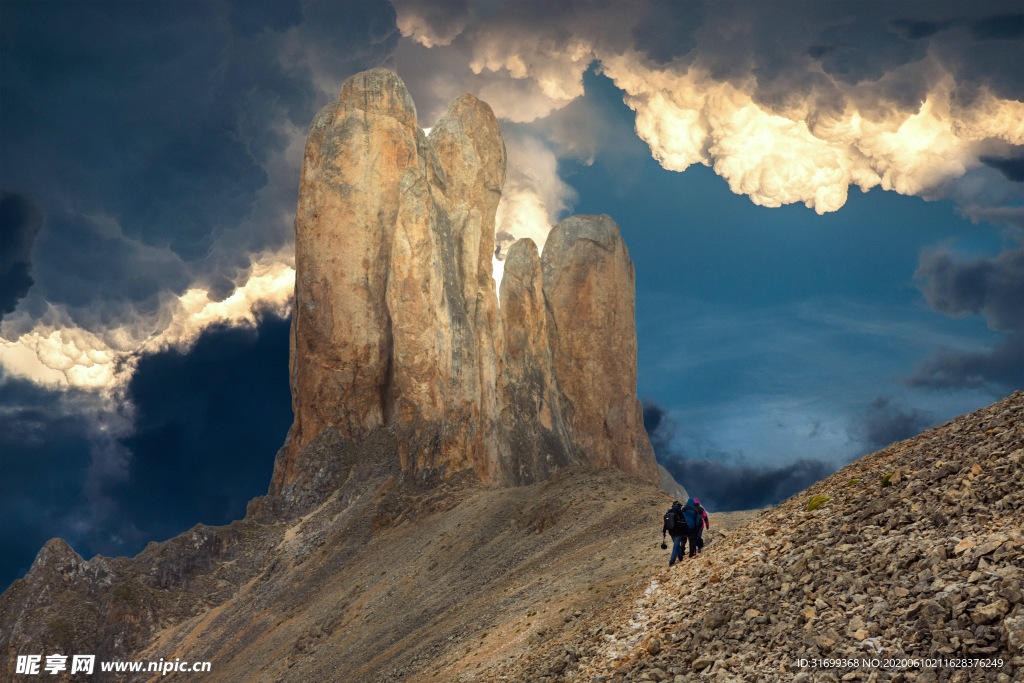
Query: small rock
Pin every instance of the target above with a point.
(991, 545)
(963, 546)
(1011, 590)
(702, 662)
(1014, 628)
(929, 611)
(986, 614)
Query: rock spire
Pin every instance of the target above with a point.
(396, 322)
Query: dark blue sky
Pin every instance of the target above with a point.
(788, 322)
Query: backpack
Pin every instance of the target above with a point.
(696, 510)
(674, 522)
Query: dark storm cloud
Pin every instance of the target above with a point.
(86, 264)
(1001, 368)
(45, 456)
(1012, 168)
(791, 49)
(999, 27)
(668, 18)
(994, 27)
(885, 422)
(164, 119)
(991, 287)
(251, 18)
(209, 424)
(145, 132)
(916, 30)
(20, 221)
(715, 477)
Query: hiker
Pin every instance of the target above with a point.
(693, 523)
(675, 526)
(705, 523)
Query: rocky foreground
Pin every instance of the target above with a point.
(909, 568)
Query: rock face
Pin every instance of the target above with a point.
(589, 286)
(396, 323)
(536, 432)
(670, 486)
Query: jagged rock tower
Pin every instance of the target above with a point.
(396, 323)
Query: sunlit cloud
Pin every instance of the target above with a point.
(688, 118)
(782, 124)
(535, 197)
(59, 354)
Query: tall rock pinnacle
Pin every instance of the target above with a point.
(396, 323)
(589, 286)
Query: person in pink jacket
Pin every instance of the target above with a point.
(705, 523)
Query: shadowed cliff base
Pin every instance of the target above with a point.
(384, 579)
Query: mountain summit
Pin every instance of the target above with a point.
(397, 325)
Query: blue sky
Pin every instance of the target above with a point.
(772, 337)
(788, 322)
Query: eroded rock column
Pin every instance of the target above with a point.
(535, 437)
(589, 287)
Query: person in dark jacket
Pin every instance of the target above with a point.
(674, 527)
(693, 523)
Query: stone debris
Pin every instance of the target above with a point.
(905, 581)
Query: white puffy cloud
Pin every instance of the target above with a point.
(431, 25)
(535, 196)
(785, 111)
(58, 353)
(808, 155)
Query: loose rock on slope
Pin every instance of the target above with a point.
(916, 556)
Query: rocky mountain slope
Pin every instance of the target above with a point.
(386, 580)
(909, 567)
(916, 557)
